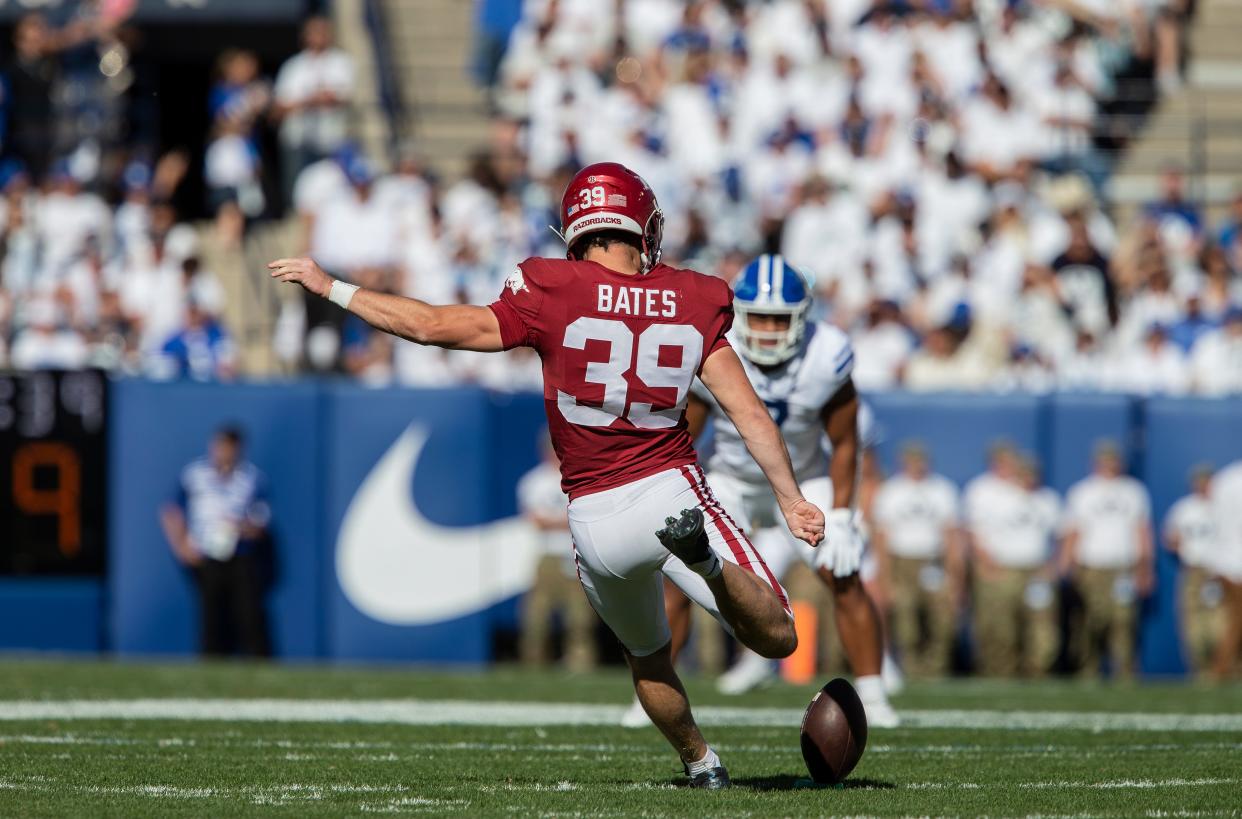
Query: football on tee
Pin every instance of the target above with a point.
(834, 732)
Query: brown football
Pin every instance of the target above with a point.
(834, 732)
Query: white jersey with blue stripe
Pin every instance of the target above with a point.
(215, 505)
(796, 393)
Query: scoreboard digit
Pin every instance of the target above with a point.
(53, 463)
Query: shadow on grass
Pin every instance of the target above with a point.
(791, 782)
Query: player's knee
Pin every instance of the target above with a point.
(782, 641)
(655, 665)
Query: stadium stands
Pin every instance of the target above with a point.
(943, 170)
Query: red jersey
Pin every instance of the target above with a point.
(619, 354)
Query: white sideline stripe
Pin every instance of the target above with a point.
(400, 795)
(596, 748)
(517, 714)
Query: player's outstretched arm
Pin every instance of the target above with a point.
(457, 326)
(724, 377)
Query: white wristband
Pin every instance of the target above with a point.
(341, 293)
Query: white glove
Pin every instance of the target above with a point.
(842, 549)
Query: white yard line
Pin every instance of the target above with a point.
(1132, 784)
(401, 796)
(517, 714)
(390, 749)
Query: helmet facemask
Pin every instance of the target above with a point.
(653, 238)
(768, 348)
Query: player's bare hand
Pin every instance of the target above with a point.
(805, 520)
(303, 271)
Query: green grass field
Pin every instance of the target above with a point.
(106, 739)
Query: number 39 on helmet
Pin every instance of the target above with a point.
(770, 287)
(609, 196)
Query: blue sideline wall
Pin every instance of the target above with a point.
(156, 429)
(319, 443)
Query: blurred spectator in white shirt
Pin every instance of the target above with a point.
(881, 348)
(999, 137)
(952, 206)
(1220, 289)
(952, 49)
(1017, 44)
(1067, 111)
(825, 232)
(312, 94)
(47, 342)
(695, 136)
(1177, 220)
(355, 230)
(1039, 318)
(1226, 495)
(1027, 370)
(1108, 552)
(1154, 303)
(884, 45)
(947, 363)
(902, 255)
(1216, 358)
(231, 171)
(1156, 367)
(66, 217)
(1085, 367)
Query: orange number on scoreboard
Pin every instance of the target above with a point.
(61, 501)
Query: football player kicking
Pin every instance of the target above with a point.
(802, 373)
(622, 337)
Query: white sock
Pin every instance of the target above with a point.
(705, 764)
(709, 569)
(870, 688)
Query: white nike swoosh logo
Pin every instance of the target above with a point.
(397, 567)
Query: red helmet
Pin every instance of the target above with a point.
(609, 196)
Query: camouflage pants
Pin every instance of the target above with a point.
(1109, 614)
(555, 590)
(922, 618)
(1015, 624)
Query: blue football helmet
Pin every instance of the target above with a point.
(770, 287)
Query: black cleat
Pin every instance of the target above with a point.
(713, 779)
(686, 537)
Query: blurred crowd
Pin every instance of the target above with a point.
(936, 166)
(97, 267)
(1041, 583)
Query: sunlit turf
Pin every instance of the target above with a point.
(64, 767)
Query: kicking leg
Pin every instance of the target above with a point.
(754, 610)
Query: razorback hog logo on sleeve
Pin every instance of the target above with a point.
(516, 281)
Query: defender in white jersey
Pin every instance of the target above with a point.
(802, 372)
